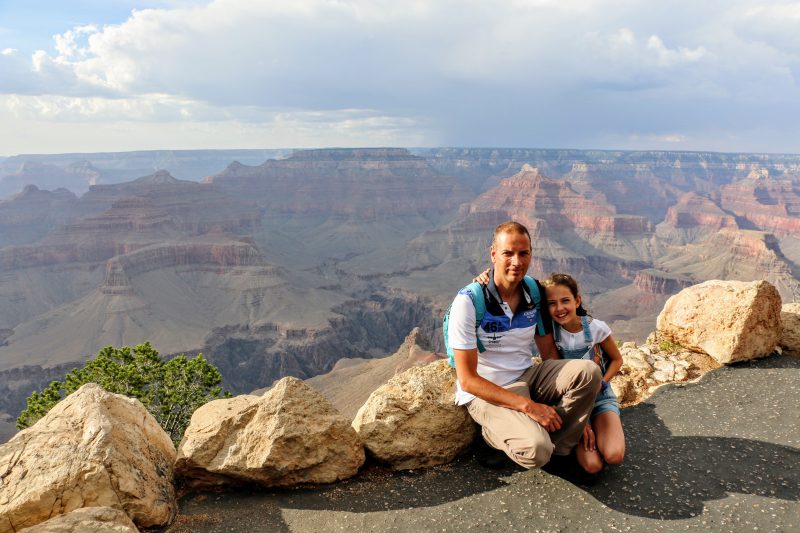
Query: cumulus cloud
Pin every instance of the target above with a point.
(520, 72)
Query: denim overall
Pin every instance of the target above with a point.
(606, 399)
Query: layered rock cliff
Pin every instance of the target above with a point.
(763, 202)
(33, 213)
(734, 254)
(361, 184)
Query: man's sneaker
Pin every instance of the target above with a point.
(568, 468)
(559, 465)
(489, 457)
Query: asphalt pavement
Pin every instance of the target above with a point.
(722, 454)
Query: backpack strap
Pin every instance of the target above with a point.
(535, 295)
(479, 302)
(476, 295)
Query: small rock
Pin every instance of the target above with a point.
(790, 331)
(662, 376)
(636, 360)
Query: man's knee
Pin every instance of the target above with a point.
(531, 454)
(586, 372)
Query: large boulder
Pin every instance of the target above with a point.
(412, 422)
(729, 320)
(291, 435)
(92, 449)
(790, 333)
(94, 519)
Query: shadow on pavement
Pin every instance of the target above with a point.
(671, 477)
(664, 476)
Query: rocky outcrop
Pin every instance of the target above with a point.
(193, 208)
(729, 320)
(251, 356)
(291, 435)
(31, 214)
(218, 254)
(658, 361)
(693, 210)
(768, 203)
(351, 381)
(362, 184)
(75, 177)
(94, 519)
(92, 449)
(652, 281)
(528, 195)
(734, 254)
(412, 421)
(790, 329)
(151, 210)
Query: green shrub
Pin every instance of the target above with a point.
(669, 346)
(170, 390)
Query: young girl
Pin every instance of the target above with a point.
(579, 336)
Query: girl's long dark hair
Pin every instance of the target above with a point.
(565, 280)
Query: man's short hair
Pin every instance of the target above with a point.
(510, 226)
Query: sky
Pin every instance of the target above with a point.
(112, 75)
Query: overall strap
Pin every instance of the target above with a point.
(587, 335)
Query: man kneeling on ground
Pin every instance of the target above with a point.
(530, 412)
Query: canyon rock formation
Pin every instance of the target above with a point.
(283, 266)
(351, 381)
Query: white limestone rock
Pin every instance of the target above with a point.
(790, 332)
(412, 422)
(636, 359)
(291, 435)
(92, 449)
(729, 320)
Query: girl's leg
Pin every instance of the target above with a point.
(610, 437)
(590, 461)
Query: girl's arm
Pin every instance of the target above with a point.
(612, 351)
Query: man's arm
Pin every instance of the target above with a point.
(547, 346)
(473, 383)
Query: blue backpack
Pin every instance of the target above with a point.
(475, 291)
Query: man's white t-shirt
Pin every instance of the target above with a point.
(507, 338)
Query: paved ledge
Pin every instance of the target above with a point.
(722, 454)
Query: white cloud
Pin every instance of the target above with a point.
(158, 121)
(516, 72)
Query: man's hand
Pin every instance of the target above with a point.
(588, 438)
(545, 415)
